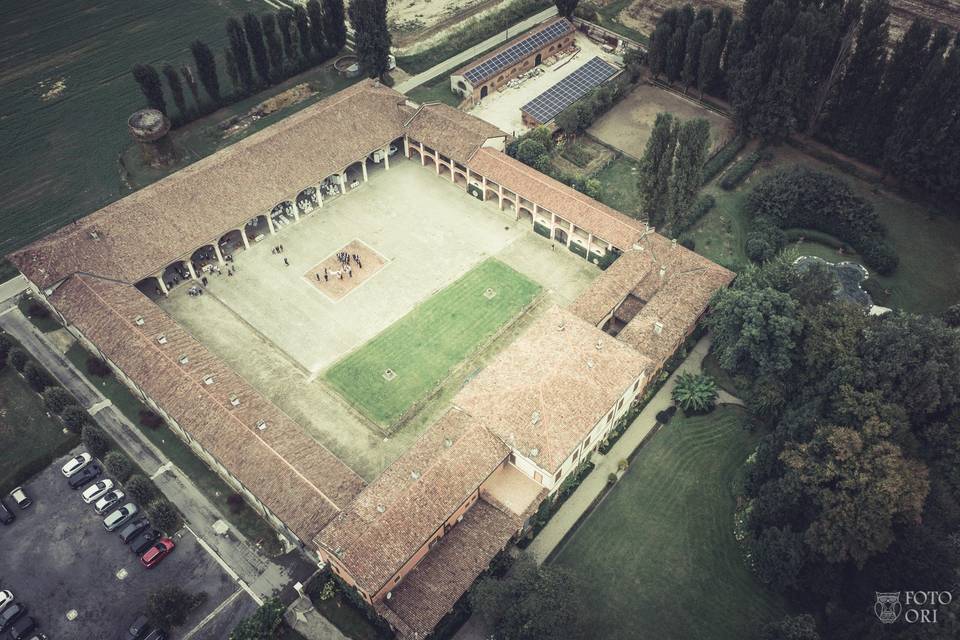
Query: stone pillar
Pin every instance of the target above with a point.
(453, 172)
(163, 285)
(500, 195)
(363, 166)
(423, 157)
(243, 236)
(343, 181)
(436, 162)
(319, 196)
(216, 250)
(270, 224)
(386, 157)
(589, 244)
(406, 147)
(193, 274)
(296, 211)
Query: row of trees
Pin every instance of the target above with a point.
(854, 487)
(671, 170)
(828, 69)
(262, 51)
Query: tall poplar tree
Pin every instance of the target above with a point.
(238, 44)
(303, 32)
(660, 48)
(656, 167)
(334, 25)
(691, 61)
(317, 38)
(254, 33)
(149, 81)
(268, 22)
(693, 141)
(369, 20)
(230, 64)
(285, 22)
(901, 74)
(207, 70)
(176, 89)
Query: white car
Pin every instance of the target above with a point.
(108, 500)
(96, 491)
(119, 517)
(75, 464)
(5, 598)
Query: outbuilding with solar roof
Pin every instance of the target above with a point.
(546, 106)
(481, 77)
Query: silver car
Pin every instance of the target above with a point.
(96, 491)
(75, 464)
(117, 519)
(108, 501)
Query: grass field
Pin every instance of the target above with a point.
(436, 90)
(423, 346)
(29, 438)
(657, 557)
(619, 180)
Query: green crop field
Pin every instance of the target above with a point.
(423, 346)
(658, 557)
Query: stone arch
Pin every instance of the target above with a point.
(560, 236)
(230, 242)
(491, 195)
(307, 200)
(525, 215)
(282, 213)
(353, 173)
(506, 204)
(460, 179)
(256, 227)
(414, 153)
(444, 170)
(176, 273)
(203, 256)
(150, 287)
(428, 161)
(483, 92)
(538, 60)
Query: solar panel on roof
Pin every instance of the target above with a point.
(548, 104)
(517, 52)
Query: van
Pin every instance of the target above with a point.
(20, 498)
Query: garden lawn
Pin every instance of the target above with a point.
(658, 558)
(426, 344)
(619, 180)
(29, 438)
(436, 90)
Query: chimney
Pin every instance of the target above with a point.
(663, 272)
(673, 243)
(658, 327)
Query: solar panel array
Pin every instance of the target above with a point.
(548, 104)
(517, 52)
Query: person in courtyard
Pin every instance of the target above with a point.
(286, 262)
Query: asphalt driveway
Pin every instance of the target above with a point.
(58, 559)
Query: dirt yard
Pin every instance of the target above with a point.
(642, 15)
(627, 126)
(411, 20)
(336, 279)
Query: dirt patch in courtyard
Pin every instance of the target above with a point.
(336, 277)
(627, 126)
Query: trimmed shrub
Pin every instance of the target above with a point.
(723, 157)
(150, 419)
(163, 515)
(696, 393)
(578, 249)
(36, 377)
(57, 399)
(663, 417)
(541, 229)
(764, 241)
(94, 440)
(612, 479)
(18, 358)
(739, 172)
(118, 465)
(140, 489)
(74, 418)
(577, 154)
(880, 255)
(97, 367)
(37, 310)
(235, 502)
(701, 207)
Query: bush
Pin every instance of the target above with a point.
(140, 489)
(622, 465)
(5, 347)
(764, 241)
(97, 367)
(57, 399)
(663, 417)
(880, 255)
(163, 515)
(94, 440)
(723, 157)
(169, 606)
(612, 479)
(263, 624)
(150, 419)
(529, 150)
(36, 377)
(696, 393)
(701, 207)
(235, 502)
(75, 417)
(577, 154)
(18, 358)
(688, 243)
(118, 465)
(37, 310)
(739, 172)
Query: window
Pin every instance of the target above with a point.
(556, 478)
(610, 415)
(396, 579)
(586, 443)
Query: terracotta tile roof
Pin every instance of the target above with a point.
(571, 205)
(143, 232)
(399, 512)
(492, 70)
(299, 480)
(431, 590)
(676, 299)
(548, 389)
(450, 131)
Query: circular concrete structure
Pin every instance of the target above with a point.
(149, 127)
(347, 66)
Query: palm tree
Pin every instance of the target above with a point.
(695, 393)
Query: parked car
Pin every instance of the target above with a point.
(160, 550)
(76, 464)
(6, 597)
(120, 517)
(20, 498)
(11, 614)
(132, 529)
(22, 627)
(84, 476)
(156, 634)
(142, 542)
(108, 501)
(95, 491)
(6, 516)
(38, 636)
(139, 628)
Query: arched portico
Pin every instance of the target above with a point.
(153, 287)
(560, 236)
(307, 200)
(284, 213)
(444, 171)
(232, 241)
(525, 215)
(460, 179)
(415, 154)
(492, 194)
(257, 228)
(428, 161)
(176, 273)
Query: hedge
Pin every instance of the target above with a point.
(723, 157)
(57, 399)
(541, 229)
(739, 172)
(578, 249)
(701, 207)
(118, 465)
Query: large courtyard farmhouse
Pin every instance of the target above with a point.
(267, 223)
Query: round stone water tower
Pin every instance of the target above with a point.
(150, 128)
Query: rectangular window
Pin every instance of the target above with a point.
(556, 478)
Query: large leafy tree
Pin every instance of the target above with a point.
(802, 627)
(861, 486)
(566, 7)
(169, 606)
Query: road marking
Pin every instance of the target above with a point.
(99, 406)
(7, 310)
(230, 572)
(213, 614)
(163, 469)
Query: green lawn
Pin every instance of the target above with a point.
(245, 519)
(29, 438)
(619, 180)
(423, 346)
(436, 90)
(658, 558)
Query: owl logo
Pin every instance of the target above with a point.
(888, 607)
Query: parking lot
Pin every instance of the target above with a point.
(58, 559)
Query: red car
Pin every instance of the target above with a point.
(160, 550)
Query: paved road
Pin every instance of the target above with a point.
(451, 63)
(258, 575)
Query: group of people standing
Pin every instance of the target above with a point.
(344, 259)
